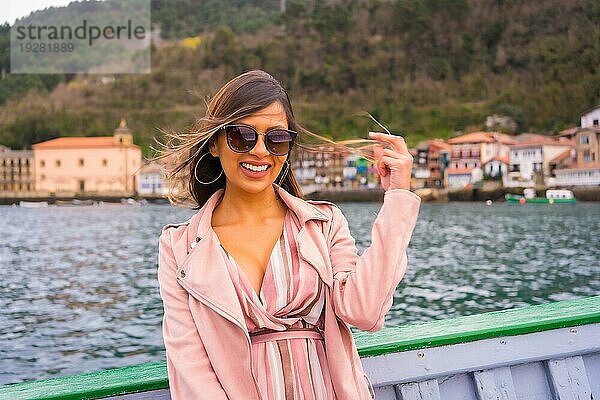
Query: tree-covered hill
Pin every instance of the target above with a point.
(424, 68)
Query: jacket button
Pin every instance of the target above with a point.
(182, 274)
(193, 244)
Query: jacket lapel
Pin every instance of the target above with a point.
(205, 273)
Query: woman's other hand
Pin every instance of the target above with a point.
(394, 165)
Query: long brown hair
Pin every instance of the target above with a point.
(242, 96)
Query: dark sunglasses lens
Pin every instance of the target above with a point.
(279, 141)
(240, 138)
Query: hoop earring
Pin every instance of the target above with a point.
(196, 168)
(287, 165)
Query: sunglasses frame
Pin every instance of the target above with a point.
(294, 134)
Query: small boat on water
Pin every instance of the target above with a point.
(33, 204)
(540, 352)
(76, 203)
(553, 196)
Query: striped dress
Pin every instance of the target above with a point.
(290, 368)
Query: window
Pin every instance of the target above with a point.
(585, 139)
(104, 162)
(42, 163)
(595, 123)
(58, 163)
(586, 156)
(81, 162)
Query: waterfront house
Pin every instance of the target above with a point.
(496, 167)
(582, 167)
(152, 180)
(99, 165)
(530, 158)
(16, 171)
(322, 169)
(578, 175)
(591, 118)
(457, 178)
(587, 145)
(430, 160)
(470, 152)
(566, 159)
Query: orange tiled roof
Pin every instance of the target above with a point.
(562, 156)
(532, 139)
(574, 130)
(437, 143)
(440, 144)
(482, 137)
(568, 131)
(78, 142)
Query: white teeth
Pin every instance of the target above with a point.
(254, 168)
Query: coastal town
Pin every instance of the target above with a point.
(113, 166)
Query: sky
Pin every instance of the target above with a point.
(21, 8)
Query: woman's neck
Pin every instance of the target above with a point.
(239, 207)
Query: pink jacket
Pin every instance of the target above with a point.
(206, 340)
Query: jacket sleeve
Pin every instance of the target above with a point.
(190, 373)
(364, 286)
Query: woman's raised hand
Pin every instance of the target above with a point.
(394, 166)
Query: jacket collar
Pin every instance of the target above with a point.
(203, 270)
(303, 210)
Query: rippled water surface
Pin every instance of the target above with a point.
(78, 288)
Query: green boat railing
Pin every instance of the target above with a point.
(510, 322)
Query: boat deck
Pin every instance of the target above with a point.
(548, 351)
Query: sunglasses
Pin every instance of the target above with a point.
(243, 138)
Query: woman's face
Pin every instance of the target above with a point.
(269, 117)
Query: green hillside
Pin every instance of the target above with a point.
(424, 68)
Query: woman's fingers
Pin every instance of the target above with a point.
(394, 165)
(396, 141)
(395, 154)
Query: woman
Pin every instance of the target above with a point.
(259, 287)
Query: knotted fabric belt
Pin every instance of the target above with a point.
(264, 335)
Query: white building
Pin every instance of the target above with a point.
(457, 178)
(578, 176)
(152, 180)
(497, 166)
(473, 151)
(531, 155)
(591, 118)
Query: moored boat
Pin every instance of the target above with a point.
(553, 196)
(547, 351)
(33, 204)
(76, 203)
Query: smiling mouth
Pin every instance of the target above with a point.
(253, 168)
